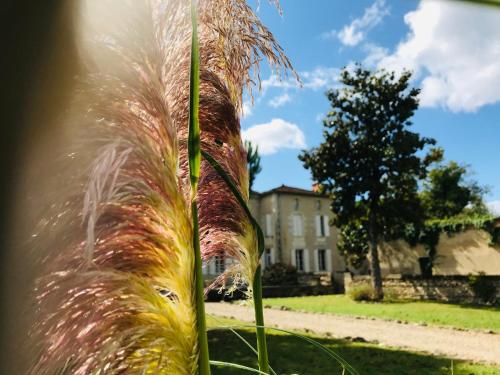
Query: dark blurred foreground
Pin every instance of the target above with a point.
(37, 69)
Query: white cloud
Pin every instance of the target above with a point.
(280, 100)
(494, 207)
(274, 82)
(375, 53)
(275, 135)
(319, 78)
(454, 48)
(355, 32)
(246, 109)
(332, 34)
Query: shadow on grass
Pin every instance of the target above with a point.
(290, 355)
(468, 305)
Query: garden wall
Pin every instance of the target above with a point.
(273, 291)
(469, 252)
(439, 288)
(309, 284)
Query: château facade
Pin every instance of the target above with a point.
(296, 227)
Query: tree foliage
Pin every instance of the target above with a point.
(253, 162)
(447, 193)
(369, 160)
(353, 244)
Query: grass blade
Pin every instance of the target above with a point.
(345, 365)
(194, 104)
(194, 174)
(493, 3)
(237, 366)
(257, 281)
(245, 341)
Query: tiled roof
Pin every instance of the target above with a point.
(283, 189)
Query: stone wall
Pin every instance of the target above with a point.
(439, 288)
(458, 254)
(271, 291)
(309, 284)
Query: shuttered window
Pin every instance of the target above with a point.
(322, 226)
(321, 260)
(299, 259)
(269, 225)
(298, 230)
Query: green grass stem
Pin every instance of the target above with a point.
(257, 282)
(194, 174)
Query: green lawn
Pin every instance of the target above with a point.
(289, 355)
(443, 314)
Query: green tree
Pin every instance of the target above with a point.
(368, 162)
(353, 244)
(447, 192)
(253, 162)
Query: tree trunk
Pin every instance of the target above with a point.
(376, 276)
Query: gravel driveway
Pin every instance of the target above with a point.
(466, 345)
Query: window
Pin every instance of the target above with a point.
(269, 225)
(322, 226)
(321, 260)
(296, 204)
(299, 259)
(297, 226)
(268, 260)
(220, 264)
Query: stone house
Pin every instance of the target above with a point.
(296, 227)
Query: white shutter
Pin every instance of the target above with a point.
(273, 256)
(300, 226)
(318, 226)
(326, 223)
(328, 260)
(292, 258)
(296, 224)
(269, 225)
(307, 267)
(316, 260)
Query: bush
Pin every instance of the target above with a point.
(361, 292)
(280, 274)
(484, 290)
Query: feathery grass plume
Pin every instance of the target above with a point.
(232, 43)
(194, 157)
(117, 290)
(117, 294)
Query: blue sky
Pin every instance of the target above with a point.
(453, 49)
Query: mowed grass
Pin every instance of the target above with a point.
(441, 314)
(290, 355)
